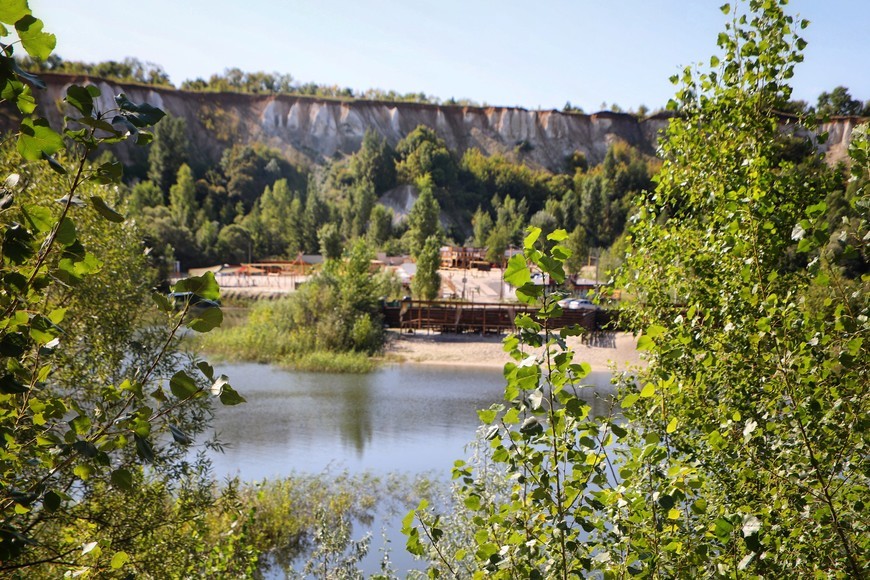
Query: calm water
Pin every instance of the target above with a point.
(410, 419)
(402, 418)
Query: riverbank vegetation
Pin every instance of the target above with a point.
(332, 324)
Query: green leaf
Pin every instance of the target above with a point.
(472, 502)
(206, 369)
(722, 528)
(54, 164)
(230, 397)
(21, 93)
(532, 237)
(487, 416)
(9, 385)
(80, 98)
(80, 424)
(648, 390)
(37, 43)
(629, 400)
(104, 210)
(162, 301)
(655, 331)
(672, 426)
(558, 236)
(83, 471)
(139, 115)
(618, 430)
(11, 11)
(40, 218)
(204, 286)
(725, 8)
(182, 386)
(645, 343)
(66, 232)
(517, 273)
(17, 244)
(51, 500)
(13, 344)
(122, 479)
(144, 449)
(119, 559)
(206, 319)
(37, 139)
(180, 436)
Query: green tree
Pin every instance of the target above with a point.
(374, 163)
(576, 242)
(236, 244)
(838, 102)
(315, 216)
(168, 152)
(482, 224)
(82, 403)
(422, 152)
(330, 241)
(143, 194)
(423, 219)
(381, 225)
(427, 281)
(182, 198)
(742, 450)
(281, 218)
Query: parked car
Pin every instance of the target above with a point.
(578, 304)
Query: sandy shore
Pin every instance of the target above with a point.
(486, 351)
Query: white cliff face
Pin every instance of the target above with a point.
(316, 130)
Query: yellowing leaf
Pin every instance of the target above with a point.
(119, 559)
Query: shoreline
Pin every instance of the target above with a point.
(611, 349)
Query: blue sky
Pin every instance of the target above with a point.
(511, 53)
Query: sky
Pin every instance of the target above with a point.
(509, 53)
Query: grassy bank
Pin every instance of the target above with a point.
(332, 324)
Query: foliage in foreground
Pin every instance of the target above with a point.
(332, 323)
(742, 447)
(92, 389)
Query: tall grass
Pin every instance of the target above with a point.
(332, 324)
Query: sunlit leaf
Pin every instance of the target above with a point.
(11, 11)
(37, 139)
(37, 43)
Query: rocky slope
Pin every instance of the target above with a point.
(312, 130)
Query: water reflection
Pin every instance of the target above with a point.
(404, 418)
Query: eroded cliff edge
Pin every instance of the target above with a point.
(313, 130)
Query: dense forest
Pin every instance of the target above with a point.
(257, 205)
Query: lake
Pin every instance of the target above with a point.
(410, 419)
(401, 418)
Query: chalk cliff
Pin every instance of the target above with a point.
(313, 130)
